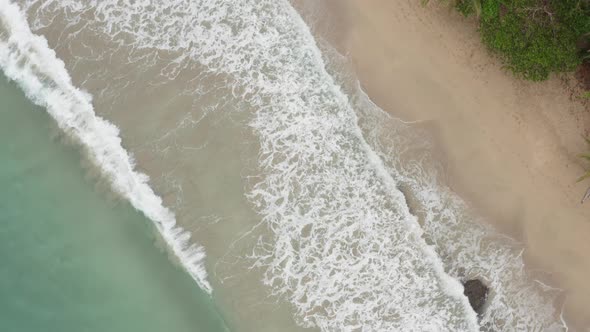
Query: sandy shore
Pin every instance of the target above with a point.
(510, 145)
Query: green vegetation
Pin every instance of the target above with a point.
(534, 37)
(469, 7)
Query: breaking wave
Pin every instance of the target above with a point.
(33, 65)
(344, 247)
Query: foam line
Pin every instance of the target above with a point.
(470, 248)
(27, 59)
(342, 246)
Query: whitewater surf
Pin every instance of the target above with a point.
(334, 237)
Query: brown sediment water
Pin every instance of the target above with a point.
(316, 209)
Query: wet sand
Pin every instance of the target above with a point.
(510, 146)
(420, 64)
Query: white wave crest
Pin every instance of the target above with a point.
(469, 248)
(345, 249)
(27, 59)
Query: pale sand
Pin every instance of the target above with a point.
(510, 145)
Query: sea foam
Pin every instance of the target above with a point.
(344, 248)
(27, 59)
(469, 248)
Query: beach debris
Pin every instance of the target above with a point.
(477, 293)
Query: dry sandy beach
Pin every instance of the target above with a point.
(305, 207)
(510, 146)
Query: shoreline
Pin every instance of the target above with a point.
(509, 145)
(412, 87)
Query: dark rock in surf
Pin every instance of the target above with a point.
(477, 292)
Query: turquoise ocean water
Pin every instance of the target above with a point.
(71, 258)
(260, 143)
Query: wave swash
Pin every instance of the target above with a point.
(345, 249)
(27, 59)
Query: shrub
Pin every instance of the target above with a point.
(533, 37)
(468, 7)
